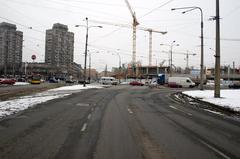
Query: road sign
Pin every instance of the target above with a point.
(34, 57)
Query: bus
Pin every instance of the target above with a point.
(35, 79)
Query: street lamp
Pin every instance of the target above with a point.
(189, 9)
(86, 45)
(171, 52)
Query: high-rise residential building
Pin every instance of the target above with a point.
(11, 42)
(59, 47)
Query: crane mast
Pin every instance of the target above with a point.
(134, 27)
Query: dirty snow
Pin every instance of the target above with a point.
(21, 83)
(75, 87)
(15, 105)
(229, 98)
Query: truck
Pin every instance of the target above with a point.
(180, 82)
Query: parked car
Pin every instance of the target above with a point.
(21, 80)
(53, 80)
(136, 83)
(69, 81)
(235, 85)
(7, 81)
(82, 81)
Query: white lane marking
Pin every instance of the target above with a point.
(218, 113)
(180, 110)
(92, 109)
(173, 107)
(89, 116)
(84, 127)
(130, 111)
(83, 104)
(214, 149)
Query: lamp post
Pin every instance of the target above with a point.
(171, 52)
(188, 9)
(86, 45)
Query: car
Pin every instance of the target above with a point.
(52, 80)
(82, 82)
(235, 85)
(21, 80)
(136, 83)
(69, 81)
(7, 81)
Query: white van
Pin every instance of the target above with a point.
(180, 82)
(108, 81)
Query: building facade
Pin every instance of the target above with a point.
(59, 48)
(11, 43)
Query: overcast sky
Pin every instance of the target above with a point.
(105, 43)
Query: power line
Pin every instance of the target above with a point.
(164, 4)
(28, 27)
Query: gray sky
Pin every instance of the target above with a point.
(106, 42)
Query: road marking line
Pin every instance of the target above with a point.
(89, 116)
(83, 104)
(214, 112)
(180, 110)
(173, 107)
(130, 111)
(92, 109)
(84, 127)
(214, 149)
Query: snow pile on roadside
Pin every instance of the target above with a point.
(229, 98)
(75, 87)
(15, 105)
(21, 83)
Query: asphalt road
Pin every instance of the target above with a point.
(119, 123)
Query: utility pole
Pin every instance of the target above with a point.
(217, 56)
(233, 68)
(85, 55)
(89, 71)
(150, 48)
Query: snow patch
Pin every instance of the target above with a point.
(229, 98)
(15, 105)
(21, 83)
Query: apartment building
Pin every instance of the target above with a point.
(11, 43)
(59, 48)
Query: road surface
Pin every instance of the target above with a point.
(119, 123)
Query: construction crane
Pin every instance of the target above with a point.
(161, 63)
(134, 25)
(134, 41)
(183, 53)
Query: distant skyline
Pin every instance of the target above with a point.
(105, 43)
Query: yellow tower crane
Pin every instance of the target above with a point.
(134, 36)
(150, 31)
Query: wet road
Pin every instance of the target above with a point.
(119, 123)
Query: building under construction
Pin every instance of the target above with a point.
(146, 71)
